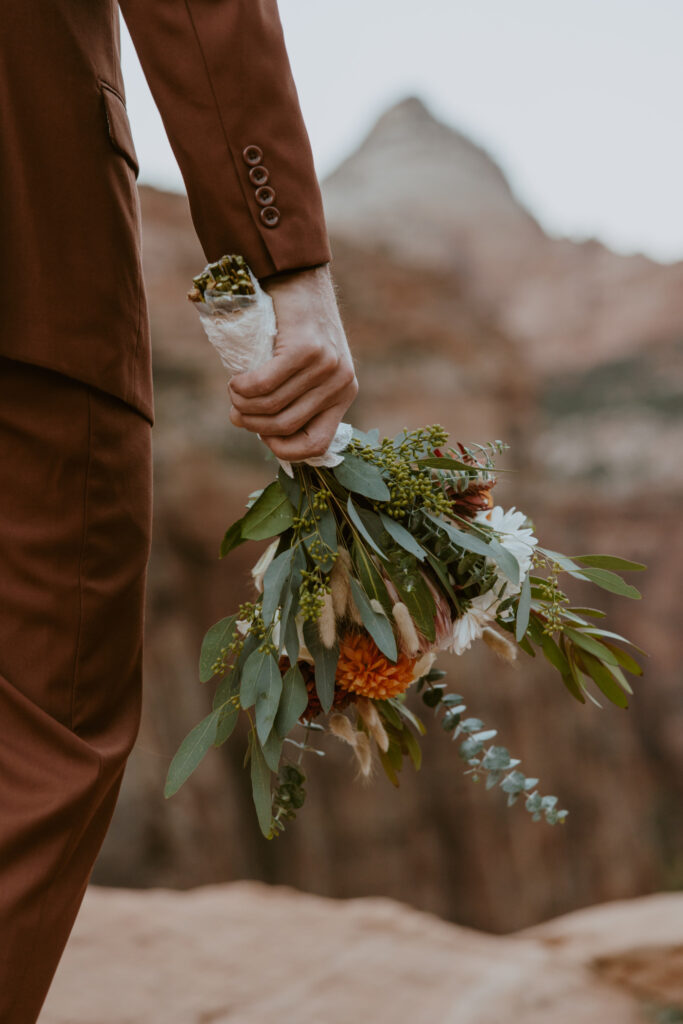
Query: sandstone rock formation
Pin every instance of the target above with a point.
(245, 953)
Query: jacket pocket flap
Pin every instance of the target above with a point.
(119, 126)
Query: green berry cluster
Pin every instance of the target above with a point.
(220, 665)
(321, 499)
(411, 487)
(312, 593)
(553, 598)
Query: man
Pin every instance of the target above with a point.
(76, 403)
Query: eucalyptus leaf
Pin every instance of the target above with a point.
(267, 703)
(441, 573)
(270, 515)
(575, 671)
(604, 679)
(290, 634)
(589, 643)
(523, 610)
(609, 562)
(492, 549)
(370, 577)
(608, 581)
(402, 536)
(232, 539)
(362, 477)
(362, 529)
(217, 638)
(573, 681)
(554, 654)
(260, 676)
(413, 748)
(190, 752)
(291, 487)
(625, 660)
(496, 759)
(389, 770)
(416, 722)
(325, 659)
(452, 465)
(272, 750)
(273, 581)
(595, 631)
(593, 613)
(227, 720)
(377, 625)
(260, 786)
(227, 688)
(293, 703)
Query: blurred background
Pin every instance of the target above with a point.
(502, 186)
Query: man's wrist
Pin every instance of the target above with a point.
(296, 273)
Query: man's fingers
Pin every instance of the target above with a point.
(286, 361)
(313, 439)
(300, 412)
(297, 385)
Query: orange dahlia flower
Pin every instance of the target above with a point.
(364, 670)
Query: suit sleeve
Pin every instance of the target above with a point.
(220, 75)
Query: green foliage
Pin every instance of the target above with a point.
(362, 477)
(270, 515)
(260, 786)
(216, 647)
(293, 703)
(191, 752)
(392, 513)
(376, 623)
(326, 659)
(492, 763)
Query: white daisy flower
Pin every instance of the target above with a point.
(470, 626)
(511, 533)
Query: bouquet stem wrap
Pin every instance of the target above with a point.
(236, 313)
(239, 320)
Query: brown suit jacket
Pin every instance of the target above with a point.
(71, 291)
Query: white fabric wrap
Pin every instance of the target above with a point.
(242, 329)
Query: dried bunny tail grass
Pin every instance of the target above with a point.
(364, 755)
(422, 667)
(501, 644)
(339, 584)
(406, 628)
(370, 715)
(327, 622)
(340, 726)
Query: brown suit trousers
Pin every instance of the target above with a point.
(75, 527)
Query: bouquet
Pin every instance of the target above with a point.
(383, 553)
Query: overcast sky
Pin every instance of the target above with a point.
(578, 100)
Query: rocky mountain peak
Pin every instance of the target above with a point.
(417, 183)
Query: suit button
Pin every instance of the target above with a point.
(258, 175)
(252, 155)
(270, 215)
(265, 195)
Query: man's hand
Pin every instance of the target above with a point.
(297, 399)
